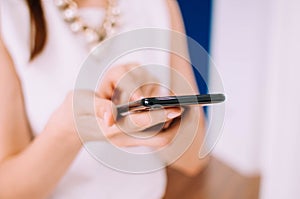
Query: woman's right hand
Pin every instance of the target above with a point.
(84, 113)
(76, 115)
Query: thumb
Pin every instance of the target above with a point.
(106, 110)
(143, 120)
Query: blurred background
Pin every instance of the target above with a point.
(255, 46)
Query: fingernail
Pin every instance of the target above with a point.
(173, 115)
(141, 97)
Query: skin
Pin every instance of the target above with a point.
(18, 146)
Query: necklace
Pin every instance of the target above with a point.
(93, 36)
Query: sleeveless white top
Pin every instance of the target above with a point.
(47, 79)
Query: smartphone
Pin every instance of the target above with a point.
(154, 103)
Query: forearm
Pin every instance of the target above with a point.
(183, 83)
(34, 172)
(189, 162)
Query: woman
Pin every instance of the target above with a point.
(41, 155)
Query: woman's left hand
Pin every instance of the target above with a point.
(129, 82)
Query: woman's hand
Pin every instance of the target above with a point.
(124, 83)
(143, 128)
(78, 113)
(84, 112)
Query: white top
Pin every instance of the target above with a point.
(47, 79)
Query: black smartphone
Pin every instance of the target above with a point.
(154, 103)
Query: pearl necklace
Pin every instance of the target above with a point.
(69, 10)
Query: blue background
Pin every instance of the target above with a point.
(197, 16)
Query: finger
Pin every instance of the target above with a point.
(146, 84)
(132, 82)
(130, 89)
(154, 117)
(121, 139)
(161, 139)
(110, 80)
(118, 138)
(107, 83)
(151, 90)
(105, 110)
(146, 119)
